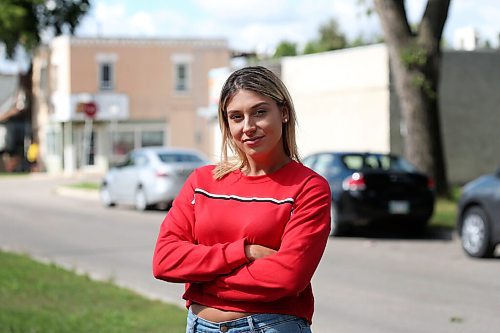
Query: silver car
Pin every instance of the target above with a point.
(149, 176)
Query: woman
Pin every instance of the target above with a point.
(247, 234)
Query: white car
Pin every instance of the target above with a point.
(149, 176)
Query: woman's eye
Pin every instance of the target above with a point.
(260, 113)
(234, 117)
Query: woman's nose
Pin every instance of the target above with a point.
(248, 125)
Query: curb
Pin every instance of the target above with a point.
(65, 191)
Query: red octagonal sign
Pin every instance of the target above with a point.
(90, 109)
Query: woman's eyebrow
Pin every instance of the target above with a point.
(260, 104)
(257, 105)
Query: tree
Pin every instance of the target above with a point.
(285, 49)
(415, 58)
(312, 47)
(22, 23)
(330, 38)
(361, 41)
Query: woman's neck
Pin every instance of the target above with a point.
(266, 167)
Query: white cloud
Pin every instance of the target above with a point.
(104, 19)
(144, 23)
(262, 24)
(483, 16)
(114, 19)
(244, 11)
(355, 21)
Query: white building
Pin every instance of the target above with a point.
(341, 99)
(345, 100)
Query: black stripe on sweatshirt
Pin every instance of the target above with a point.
(243, 199)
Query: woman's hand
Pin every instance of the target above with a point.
(254, 251)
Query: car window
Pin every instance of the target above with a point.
(353, 162)
(371, 162)
(127, 162)
(396, 163)
(358, 162)
(324, 164)
(140, 160)
(178, 157)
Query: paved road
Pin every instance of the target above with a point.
(369, 283)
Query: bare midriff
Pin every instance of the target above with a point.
(216, 315)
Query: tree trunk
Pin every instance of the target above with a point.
(415, 63)
(26, 85)
(19, 124)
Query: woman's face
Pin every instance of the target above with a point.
(255, 123)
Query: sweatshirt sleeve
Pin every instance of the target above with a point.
(290, 270)
(177, 257)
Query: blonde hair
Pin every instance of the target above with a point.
(262, 81)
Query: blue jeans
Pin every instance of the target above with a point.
(258, 323)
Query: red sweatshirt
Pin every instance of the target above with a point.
(201, 241)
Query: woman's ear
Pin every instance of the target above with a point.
(285, 118)
(284, 114)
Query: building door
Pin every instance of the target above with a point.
(86, 148)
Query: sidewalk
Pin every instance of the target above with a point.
(67, 190)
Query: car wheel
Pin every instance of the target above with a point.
(105, 196)
(140, 201)
(336, 229)
(475, 233)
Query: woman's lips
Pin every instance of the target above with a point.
(253, 141)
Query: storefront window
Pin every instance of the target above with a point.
(152, 138)
(86, 151)
(123, 142)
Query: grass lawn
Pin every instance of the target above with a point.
(445, 214)
(445, 211)
(13, 174)
(40, 298)
(86, 185)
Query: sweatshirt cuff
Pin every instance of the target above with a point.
(235, 254)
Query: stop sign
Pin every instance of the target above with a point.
(90, 109)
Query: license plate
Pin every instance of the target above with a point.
(399, 207)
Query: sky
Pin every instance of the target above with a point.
(259, 25)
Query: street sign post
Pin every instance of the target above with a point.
(90, 111)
